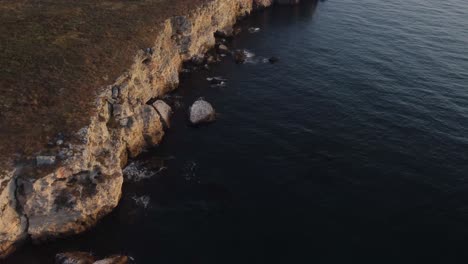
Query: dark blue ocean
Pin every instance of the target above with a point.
(353, 148)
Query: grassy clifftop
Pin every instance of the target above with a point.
(55, 54)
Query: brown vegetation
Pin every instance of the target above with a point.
(56, 54)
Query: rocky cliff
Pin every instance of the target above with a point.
(85, 182)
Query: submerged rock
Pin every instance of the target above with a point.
(202, 112)
(142, 201)
(164, 110)
(273, 60)
(211, 59)
(237, 30)
(243, 56)
(217, 81)
(240, 56)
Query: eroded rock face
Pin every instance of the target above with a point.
(86, 183)
(13, 226)
(164, 110)
(142, 129)
(201, 112)
(70, 203)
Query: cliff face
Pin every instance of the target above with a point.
(86, 184)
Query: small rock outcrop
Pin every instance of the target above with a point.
(164, 110)
(74, 258)
(273, 60)
(217, 81)
(202, 112)
(240, 56)
(198, 60)
(79, 257)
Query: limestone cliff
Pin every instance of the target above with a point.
(87, 181)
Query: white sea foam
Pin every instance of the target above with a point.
(142, 201)
(254, 30)
(136, 172)
(250, 57)
(190, 171)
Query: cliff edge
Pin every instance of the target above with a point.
(76, 81)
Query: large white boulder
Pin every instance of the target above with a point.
(201, 112)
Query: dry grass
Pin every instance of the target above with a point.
(55, 54)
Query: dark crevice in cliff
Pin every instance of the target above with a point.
(17, 192)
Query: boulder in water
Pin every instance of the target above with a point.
(198, 60)
(273, 60)
(202, 112)
(223, 48)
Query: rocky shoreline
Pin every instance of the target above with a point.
(79, 180)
